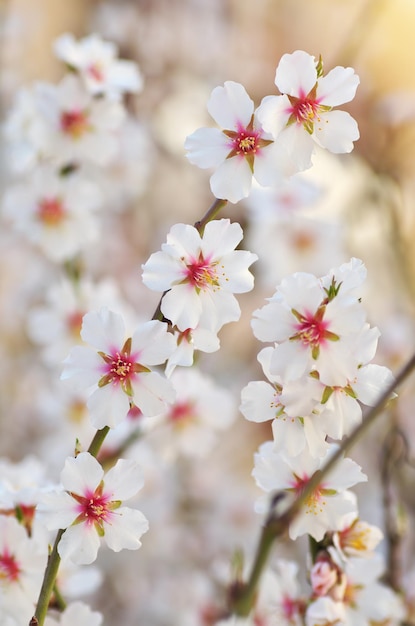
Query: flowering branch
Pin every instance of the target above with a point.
(242, 595)
(54, 559)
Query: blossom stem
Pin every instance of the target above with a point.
(243, 596)
(48, 581)
(210, 214)
(52, 567)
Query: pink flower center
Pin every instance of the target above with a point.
(289, 608)
(51, 211)
(74, 323)
(121, 368)
(312, 330)
(9, 568)
(94, 508)
(75, 123)
(315, 502)
(245, 142)
(202, 274)
(181, 413)
(305, 110)
(95, 71)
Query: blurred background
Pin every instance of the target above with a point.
(355, 205)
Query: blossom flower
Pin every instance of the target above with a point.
(241, 152)
(325, 509)
(89, 507)
(302, 117)
(317, 328)
(290, 405)
(201, 272)
(76, 613)
(56, 213)
(366, 600)
(357, 538)
(325, 612)
(74, 126)
(95, 61)
(22, 564)
(116, 369)
(192, 423)
(56, 324)
(341, 411)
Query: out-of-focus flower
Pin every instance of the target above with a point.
(22, 564)
(201, 272)
(56, 325)
(76, 613)
(192, 424)
(357, 538)
(303, 115)
(325, 612)
(75, 127)
(89, 507)
(116, 369)
(56, 213)
(95, 61)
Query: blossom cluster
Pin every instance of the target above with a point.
(128, 381)
(319, 373)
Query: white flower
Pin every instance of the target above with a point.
(90, 508)
(291, 408)
(56, 213)
(117, 369)
(22, 565)
(366, 600)
(76, 613)
(74, 126)
(201, 411)
(325, 509)
(341, 411)
(325, 612)
(56, 325)
(303, 117)
(95, 61)
(316, 328)
(240, 152)
(357, 538)
(201, 272)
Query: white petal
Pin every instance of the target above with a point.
(79, 544)
(182, 306)
(108, 406)
(273, 114)
(338, 86)
(82, 368)
(124, 480)
(57, 510)
(220, 237)
(207, 147)
(336, 131)
(81, 474)
(296, 73)
(153, 343)
(126, 528)
(257, 401)
(232, 180)
(103, 330)
(230, 106)
(151, 393)
(161, 271)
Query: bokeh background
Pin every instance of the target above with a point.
(363, 206)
